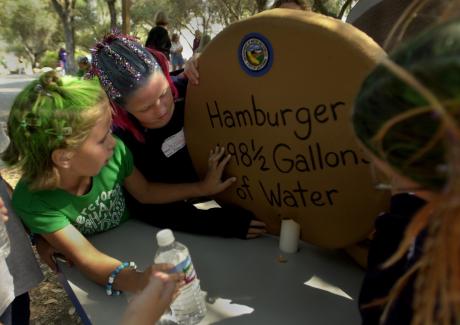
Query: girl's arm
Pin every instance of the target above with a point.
(146, 192)
(96, 265)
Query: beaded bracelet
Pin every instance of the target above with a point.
(108, 288)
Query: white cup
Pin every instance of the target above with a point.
(289, 236)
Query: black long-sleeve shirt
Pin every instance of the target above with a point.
(172, 165)
(378, 282)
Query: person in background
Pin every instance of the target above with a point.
(196, 41)
(158, 38)
(291, 4)
(62, 60)
(149, 118)
(19, 272)
(177, 61)
(407, 117)
(84, 66)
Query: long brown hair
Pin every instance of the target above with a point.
(408, 114)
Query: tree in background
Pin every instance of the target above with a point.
(66, 10)
(93, 21)
(28, 28)
(228, 12)
(333, 8)
(261, 5)
(143, 15)
(113, 14)
(208, 12)
(192, 14)
(33, 28)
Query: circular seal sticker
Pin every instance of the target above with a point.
(255, 54)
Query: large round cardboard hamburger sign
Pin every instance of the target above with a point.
(276, 90)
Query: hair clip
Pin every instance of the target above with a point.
(51, 76)
(29, 124)
(67, 130)
(41, 90)
(32, 120)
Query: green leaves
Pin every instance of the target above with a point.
(27, 26)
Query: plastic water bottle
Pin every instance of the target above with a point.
(4, 240)
(189, 307)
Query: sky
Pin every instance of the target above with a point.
(184, 37)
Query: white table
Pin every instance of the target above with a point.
(244, 280)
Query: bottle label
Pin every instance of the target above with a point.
(186, 267)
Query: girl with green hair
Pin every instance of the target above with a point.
(407, 115)
(73, 172)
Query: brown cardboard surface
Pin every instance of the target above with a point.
(309, 167)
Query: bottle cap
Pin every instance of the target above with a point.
(165, 237)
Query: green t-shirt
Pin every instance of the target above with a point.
(102, 208)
